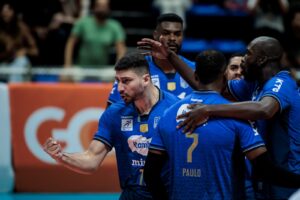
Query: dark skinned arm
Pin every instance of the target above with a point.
(152, 174)
(248, 110)
(159, 50)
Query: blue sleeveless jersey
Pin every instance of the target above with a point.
(202, 163)
(130, 134)
(171, 82)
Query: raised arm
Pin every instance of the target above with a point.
(85, 163)
(248, 110)
(160, 51)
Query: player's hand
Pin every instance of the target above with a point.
(53, 148)
(157, 49)
(197, 116)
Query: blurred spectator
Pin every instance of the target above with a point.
(178, 7)
(292, 37)
(96, 34)
(59, 30)
(236, 5)
(268, 17)
(16, 42)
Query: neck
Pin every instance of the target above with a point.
(149, 98)
(270, 70)
(212, 86)
(165, 65)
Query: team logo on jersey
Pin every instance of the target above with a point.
(144, 128)
(126, 123)
(155, 80)
(182, 110)
(156, 120)
(183, 83)
(171, 86)
(139, 144)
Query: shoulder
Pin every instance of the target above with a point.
(169, 97)
(113, 23)
(187, 61)
(117, 108)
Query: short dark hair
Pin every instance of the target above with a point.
(134, 61)
(209, 65)
(168, 17)
(237, 54)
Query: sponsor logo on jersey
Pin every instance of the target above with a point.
(155, 80)
(139, 144)
(277, 85)
(126, 123)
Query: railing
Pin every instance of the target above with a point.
(105, 74)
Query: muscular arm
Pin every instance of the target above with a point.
(152, 174)
(264, 168)
(248, 110)
(159, 50)
(183, 69)
(85, 163)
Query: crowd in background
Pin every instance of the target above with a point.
(64, 33)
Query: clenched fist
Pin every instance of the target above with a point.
(53, 148)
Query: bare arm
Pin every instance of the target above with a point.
(248, 110)
(120, 49)
(160, 51)
(85, 163)
(32, 49)
(69, 50)
(183, 69)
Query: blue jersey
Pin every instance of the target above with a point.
(171, 82)
(282, 132)
(122, 127)
(202, 164)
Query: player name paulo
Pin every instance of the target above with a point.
(190, 172)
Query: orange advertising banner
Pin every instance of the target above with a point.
(69, 113)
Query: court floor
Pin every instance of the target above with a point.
(60, 196)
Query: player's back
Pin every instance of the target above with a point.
(202, 162)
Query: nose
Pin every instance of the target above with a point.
(172, 37)
(120, 87)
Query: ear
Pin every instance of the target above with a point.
(262, 60)
(146, 78)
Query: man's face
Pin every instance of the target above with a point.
(130, 85)
(7, 13)
(172, 33)
(251, 68)
(234, 70)
(101, 9)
